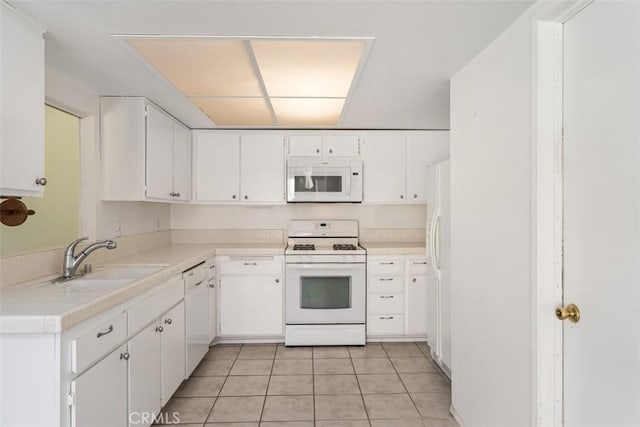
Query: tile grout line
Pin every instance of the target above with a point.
(355, 373)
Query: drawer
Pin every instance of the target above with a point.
(194, 276)
(156, 305)
(418, 266)
(385, 324)
(385, 266)
(98, 341)
(386, 303)
(384, 284)
(259, 266)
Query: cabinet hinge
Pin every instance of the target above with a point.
(71, 400)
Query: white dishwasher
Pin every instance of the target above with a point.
(197, 314)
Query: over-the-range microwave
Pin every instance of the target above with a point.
(324, 181)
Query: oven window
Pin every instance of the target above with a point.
(318, 184)
(325, 292)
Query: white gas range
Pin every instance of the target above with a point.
(325, 284)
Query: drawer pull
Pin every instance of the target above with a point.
(199, 283)
(250, 263)
(168, 321)
(212, 266)
(386, 296)
(277, 280)
(191, 274)
(420, 263)
(386, 317)
(386, 279)
(125, 355)
(159, 329)
(414, 280)
(107, 332)
(387, 263)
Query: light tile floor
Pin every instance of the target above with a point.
(378, 385)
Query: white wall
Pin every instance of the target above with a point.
(491, 227)
(99, 219)
(242, 217)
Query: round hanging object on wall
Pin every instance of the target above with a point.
(13, 212)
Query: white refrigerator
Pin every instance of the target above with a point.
(439, 285)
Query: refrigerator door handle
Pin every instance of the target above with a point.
(436, 244)
(432, 243)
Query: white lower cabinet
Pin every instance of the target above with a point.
(144, 376)
(100, 394)
(172, 351)
(251, 302)
(397, 297)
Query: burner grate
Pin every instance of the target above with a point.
(344, 247)
(305, 247)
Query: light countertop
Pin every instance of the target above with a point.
(41, 307)
(395, 248)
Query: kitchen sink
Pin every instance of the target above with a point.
(129, 272)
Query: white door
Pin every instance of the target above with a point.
(101, 393)
(181, 162)
(173, 351)
(144, 375)
(217, 163)
(305, 145)
(601, 218)
(262, 168)
(417, 300)
(340, 146)
(159, 154)
(422, 150)
(197, 315)
(251, 305)
(384, 160)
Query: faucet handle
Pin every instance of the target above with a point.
(72, 246)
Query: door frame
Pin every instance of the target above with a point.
(547, 212)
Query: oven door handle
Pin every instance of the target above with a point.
(319, 266)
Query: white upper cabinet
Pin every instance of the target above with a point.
(384, 158)
(232, 167)
(324, 145)
(22, 99)
(422, 150)
(262, 168)
(146, 153)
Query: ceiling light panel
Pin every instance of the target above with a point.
(307, 111)
(202, 66)
(307, 68)
(235, 111)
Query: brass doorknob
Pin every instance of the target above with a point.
(571, 312)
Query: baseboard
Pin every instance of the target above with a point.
(386, 338)
(248, 340)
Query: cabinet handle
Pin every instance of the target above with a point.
(41, 181)
(125, 355)
(385, 279)
(177, 194)
(402, 196)
(330, 151)
(413, 280)
(212, 284)
(415, 196)
(159, 329)
(168, 321)
(386, 296)
(277, 280)
(246, 197)
(199, 283)
(212, 266)
(190, 273)
(233, 197)
(386, 317)
(107, 332)
(387, 263)
(420, 263)
(250, 263)
(317, 150)
(172, 194)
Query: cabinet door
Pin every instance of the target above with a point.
(213, 289)
(22, 112)
(197, 330)
(144, 375)
(305, 145)
(340, 146)
(181, 162)
(217, 163)
(251, 305)
(423, 150)
(384, 168)
(173, 351)
(416, 308)
(159, 154)
(101, 393)
(262, 168)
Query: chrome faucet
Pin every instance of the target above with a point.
(72, 262)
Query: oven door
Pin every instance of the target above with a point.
(319, 184)
(325, 293)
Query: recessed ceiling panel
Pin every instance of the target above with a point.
(202, 66)
(307, 68)
(307, 111)
(235, 111)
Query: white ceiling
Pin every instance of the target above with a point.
(418, 46)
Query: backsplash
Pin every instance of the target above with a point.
(228, 236)
(22, 268)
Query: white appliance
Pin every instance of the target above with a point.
(439, 290)
(325, 284)
(197, 315)
(326, 180)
